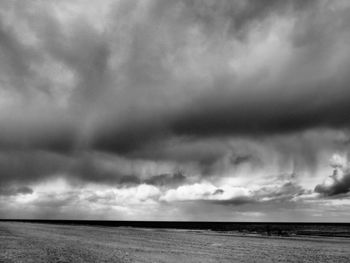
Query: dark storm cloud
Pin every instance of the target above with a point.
(204, 153)
(87, 53)
(33, 166)
(159, 73)
(267, 112)
(93, 169)
(128, 139)
(295, 101)
(336, 186)
(55, 134)
(19, 166)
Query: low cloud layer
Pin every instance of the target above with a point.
(202, 101)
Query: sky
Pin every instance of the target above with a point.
(205, 110)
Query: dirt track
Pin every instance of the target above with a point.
(26, 242)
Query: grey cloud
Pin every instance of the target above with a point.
(336, 186)
(183, 151)
(237, 201)
(96, 169)
(127, 97)
(56, 201)
(308, 104)
(18, 166)
(177, 178)
(10, 190)
(106, 99)
(33, 166)
(240, 15)
(218, 192)
(16, 59)
(287, 191)
(221, 114)
(280, 193)
(237, 160)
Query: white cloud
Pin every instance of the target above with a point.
(196, 191)
(204, 191)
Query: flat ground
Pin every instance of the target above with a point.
(28, 242)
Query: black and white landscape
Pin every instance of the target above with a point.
(174, 110)
(99, 241)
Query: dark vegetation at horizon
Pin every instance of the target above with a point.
(326, 229)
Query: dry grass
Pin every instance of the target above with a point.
(26, 242)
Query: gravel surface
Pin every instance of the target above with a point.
(27, 242)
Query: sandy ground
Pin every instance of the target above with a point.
(27, 242)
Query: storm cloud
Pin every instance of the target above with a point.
(118, 100)
(222, 98)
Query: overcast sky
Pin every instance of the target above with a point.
(224, 110)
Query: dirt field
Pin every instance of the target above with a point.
(27, 242)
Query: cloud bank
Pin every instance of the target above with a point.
(207, 103)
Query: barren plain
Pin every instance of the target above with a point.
(29, 242)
